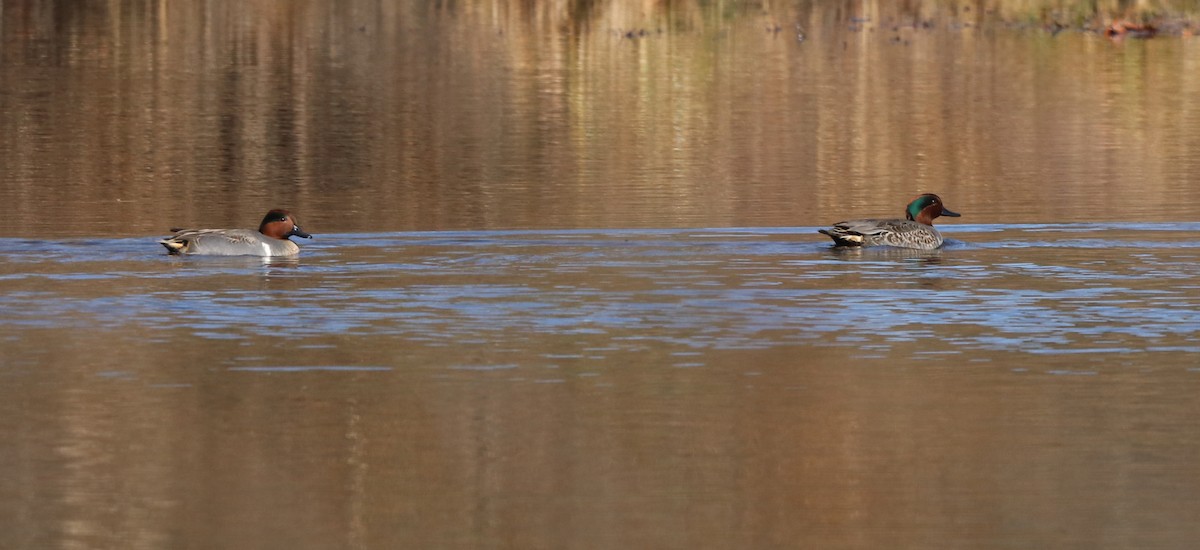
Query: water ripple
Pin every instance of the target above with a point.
(1102, 289)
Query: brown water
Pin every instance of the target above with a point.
(566, 289)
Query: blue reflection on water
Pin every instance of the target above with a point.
(1102, 288)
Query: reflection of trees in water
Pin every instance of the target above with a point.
(635, 18)
(473, 115)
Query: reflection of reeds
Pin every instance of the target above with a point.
(505, 112)
(601, 15)
(1097, 14)
(1084, 10)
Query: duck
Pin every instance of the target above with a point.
(271, 239)
(915, 231)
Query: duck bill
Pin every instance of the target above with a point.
(951, 214)
(297, 232)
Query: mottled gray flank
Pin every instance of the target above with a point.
(898, 233)
(228, 242)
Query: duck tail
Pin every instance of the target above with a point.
(174, 246)
(843, 239)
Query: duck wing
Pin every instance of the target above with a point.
(872, 232)
(219, 241)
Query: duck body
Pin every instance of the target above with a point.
(271, 239)
(915, 231)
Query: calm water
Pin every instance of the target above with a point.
(566, 290)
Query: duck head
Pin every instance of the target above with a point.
(925, 208)
(280, 224)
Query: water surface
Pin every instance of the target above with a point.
(714, 387)
(566, 289)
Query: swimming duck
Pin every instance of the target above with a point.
(916, 231)
(271, 239)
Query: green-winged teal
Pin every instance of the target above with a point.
(914, 232)
(271, 239)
